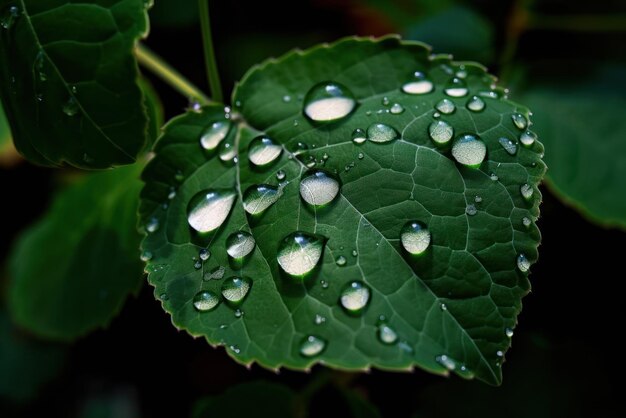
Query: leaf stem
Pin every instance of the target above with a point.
(213, 75)
(167, 73)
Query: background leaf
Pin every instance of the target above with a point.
(69, 82)
(71, 271)
(450, 308)
(7, 152)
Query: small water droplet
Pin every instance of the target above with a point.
(478, 199)
(396, 109)
(172, 193)
(358, 136)
(443, 307)
(235, 289)
(508, 145)
(385, 101)
(528, 138)
(469, 150)
(234, 348)
(318, 188)
(39, 66)
(204, 254)
(415, 237)
(152, 225)
(239, 244)
(523, 264)
(386, 334)
(238, 313)
(527, 191)
(286, 98)
(360, 155)
(418, 84)
(263, 151)
(493, 177)
(146, 256)
(499, 353)
(355, 296)
(205, 300)
(354, 253)
(197, 265)
(214, 134)
(381, 133)
(526, 222)
(324, 284)
(299, 253)
(228, 152)
(259, 197)
(456, 87)
(328, 101)
(70, 108)
(341, 261)
(446, 362)
(179, 176)
(208, 209)
(319, 319)
(164, 296)
(440, 132)
(519, 120)
(508, 332)
(476, 104)
(312, 346)
(445, 106)
(281, 175)
(9, 16)
(470, 210)
(215, 274)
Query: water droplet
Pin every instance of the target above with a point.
(39, 66)
(235, 289)
(385, 101)
(164, 296)
(523, 264)
(299, 253)
(240, 244)
(238, 313)
(508, 145)
(228, 152)
(234, 348)
(526, 222)
(415, 237)
(476, 104)
(354, 253)
(280, 175)
(469, 150)
(324, 284)
(146, 256)
(172, 194)
(499, 353)
(204, 254)
(208, 209)
(386, 334)
(286, 98)
(527, 138)
(319, 319)
(358, 136)
(179, 176)
(355, 296)
(381, 133)
(396, 109)
(526, 190)
(9, 16)
(478, 199)
(197, 265)
(519, 120)
(312, 346)
(70, 108)
(360, 156)
(446, 362)
(215, 274)
(328, 101)
(440, 132)
(205, 300)
(445, 106)
(318, 188)
(263, 151)
(152, 225)
(456, 87)
(493, 177)
(214, 134)
(418, 84)
(470, 210)
(258, 198)
(341, 261)
(508, 332)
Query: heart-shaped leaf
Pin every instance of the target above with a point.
(364, 204)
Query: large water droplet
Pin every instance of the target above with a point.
(355, 296)
(440, 132)
(523, 264)
(328, 101)
(318, 188)
(415, 237)
(381, 133)
(312, 346)
(70, 107)
(469, 150)
(527, 191)
(358, 136)
(240, 244)
(386, 334)
(214, 134)
(446, 106)
(235, 289)
(519, 120)
(528, 138)
(508, 145)
(456, 87)
(208, 209)
(299, 253)
(205, 300)
(418, 84)
(259, 197)
(476, 104)
(263, 151)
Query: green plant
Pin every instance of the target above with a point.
(364, 203)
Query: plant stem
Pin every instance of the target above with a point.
(163, 70)
(209, 53)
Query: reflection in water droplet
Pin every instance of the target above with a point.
(476, 104)
(440, 132)
(318, 188)
(235, 289)
(527, 138)
(386, 334)
(328, 101)
(519, 120)
(214, 134)
(508, 145)
(299, 253)
(523, 264)
(456, 87)
(418, 84)
(381, 133)
(259, 197)
(415, 237)
(469, 150)
(205, 300)
(240, 244)
(312, 346)
(263, 151)
(208, 209)
(526, 190)
(355, 296)
(446, 106)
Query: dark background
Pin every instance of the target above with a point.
(565, 360)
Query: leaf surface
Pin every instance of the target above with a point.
(449, 308)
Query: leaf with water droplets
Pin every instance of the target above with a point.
(365, 252)
(69, 81)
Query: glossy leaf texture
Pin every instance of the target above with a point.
(69, 80)
(335, 186)
(71, 272)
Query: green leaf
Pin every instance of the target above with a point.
(154, 110)
(455, 301)
(69, 80)
(25, 364)
(6, 143)
(253, 399)
(581, 119)
(72, 271)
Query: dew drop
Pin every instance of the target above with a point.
(445, 106)
(418, 84)
(70, 108)
(360, 155)
(319, 319)
(341, 261)
(493, 177)
(299, 253)
(526, 222)
(228, 153)
(476, 104)
(469, 150)
(396, 109)
(358, 136)
(152, 225)
(355, 296)
(235, 289)
(238, 313)
(240, 244)
(527, 138)
(215, 274)
(446, 362)
(381, 133)
(204, 254)
(526, 190)
(146, 256)
(328, 101)
(440, 132)
(312, 346)
(523, 264)
(508, 145)
(443, 307)
(318, 188)
(197, 265)
(39, 66)
(508, 332)
(208, 209)
(286, 98)
(519, 120)
(386, 334)
(415, 237)
(9, 16)
(259, 197)
(456, 87)
(280, 175)
(205, 300)
(470, 210)
(263, 151)
(214, 134)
